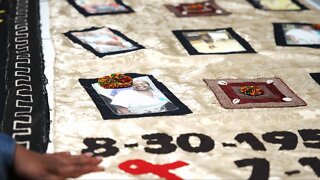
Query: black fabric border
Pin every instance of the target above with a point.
(298, 3)
(316, 77)
(3, 56)
(16, 113)
(192, 51)
(280, 38)
(86, 14)
(107, 113)
(91, 49)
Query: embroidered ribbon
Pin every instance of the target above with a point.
(138, 166)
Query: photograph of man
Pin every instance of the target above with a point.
(100, 6)
(104, 40)
(301, 34)
(142, 98)
(277, 5)
(219, 41)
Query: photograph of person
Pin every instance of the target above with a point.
(302, 34)
(277, 5)
(100, 6)
(143, 97)
(219, 41)
(315, 3)
(104, 40)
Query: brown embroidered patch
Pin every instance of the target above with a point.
(207, 8)
(275, 93)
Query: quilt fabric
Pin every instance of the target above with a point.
(212, 142)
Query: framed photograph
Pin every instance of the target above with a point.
(212, 41)
(314, 3)
(316, 77)
(100, 7)
(297, 34)
(278, 5)
(146, 97)
(207, 8)
(103, 41)
(253, 93)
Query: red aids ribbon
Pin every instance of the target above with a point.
(138, 166)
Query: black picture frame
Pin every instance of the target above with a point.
(193, 51)
(315, 77)
(86, 14)
(258, 6)
(107, 113)
(280, 38)
(99, 54)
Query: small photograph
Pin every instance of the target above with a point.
(100, 7)
(301, 34)
(141, 98)
(217, 41)
(207, 8)
(278, 5)
(297, 34)
(253, 93)
(144, 97)
(103, 41)
(314, 3)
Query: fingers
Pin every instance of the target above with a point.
(85, 159)
(80, 164)
(65, 153)
(62, 154)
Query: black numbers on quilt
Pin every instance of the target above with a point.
(206, 144)
(161, 143)
(288, 140)
(311, 138)
(260, 167)
(251, 140)
(100, 147)
(312, 162)
(161, 139)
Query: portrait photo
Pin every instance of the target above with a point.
(278, 5)
(100, 7)
(141, 98)
(220, 41)
(103, 41)
(314, 3)
(297, 34)
(301, 34)
(145, 97)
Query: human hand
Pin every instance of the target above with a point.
(57, 166)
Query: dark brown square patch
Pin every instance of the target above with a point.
(253, 93)
(206, 8)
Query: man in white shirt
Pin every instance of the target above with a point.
(303, 35)
(139, 100)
